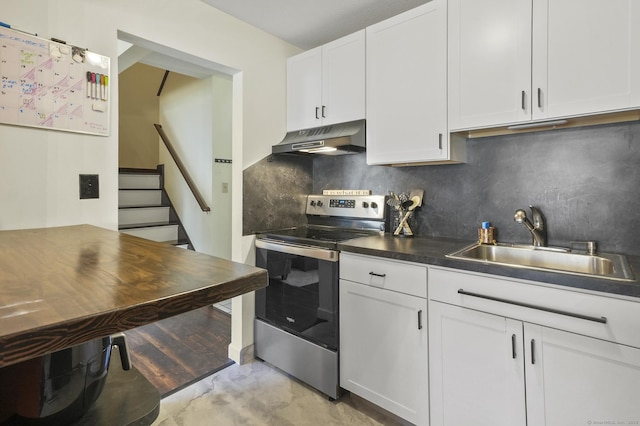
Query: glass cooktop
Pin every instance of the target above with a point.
(324, 236)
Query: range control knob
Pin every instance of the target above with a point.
(374, 205)
(312, 203)
(319, 203)
(365, 205)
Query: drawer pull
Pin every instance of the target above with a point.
(420, 319)
(513, 346)
(377, 275)
(602, 320)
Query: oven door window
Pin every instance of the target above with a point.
(302, 296)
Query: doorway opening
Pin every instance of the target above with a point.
(192, 99)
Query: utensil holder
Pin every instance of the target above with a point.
(402, 223)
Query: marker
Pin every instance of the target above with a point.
(4, 24)
(102, 86)
(93, 84)
(106, 87)
(88, 84)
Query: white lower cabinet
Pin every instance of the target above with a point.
(576, 380)
(383, 334)
(490, 369)
(478, 381)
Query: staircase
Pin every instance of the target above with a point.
(144, 209)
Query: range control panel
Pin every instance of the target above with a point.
(354, 206)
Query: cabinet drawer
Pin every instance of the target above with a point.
(602, 317)
(403, 277)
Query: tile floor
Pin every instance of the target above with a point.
(257, 394)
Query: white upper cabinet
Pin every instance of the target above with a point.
(325, 85)
(489, 62)
(304, 89)
(586, 56)
(407, 89)
(514, 61)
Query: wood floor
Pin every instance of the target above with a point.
(178, 351)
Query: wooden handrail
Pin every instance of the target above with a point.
(183, 169)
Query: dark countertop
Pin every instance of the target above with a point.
(432, 251)
(64, 286)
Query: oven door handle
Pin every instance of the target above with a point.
(306, 251)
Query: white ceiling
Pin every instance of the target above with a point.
(310, 23)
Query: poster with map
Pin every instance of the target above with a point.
(52, 85)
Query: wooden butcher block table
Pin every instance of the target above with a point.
(64, 286)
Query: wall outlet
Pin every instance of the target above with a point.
(89, 186)
(225, 187)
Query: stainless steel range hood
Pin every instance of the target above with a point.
(334, 139)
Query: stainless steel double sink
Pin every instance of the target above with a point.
(600, 265)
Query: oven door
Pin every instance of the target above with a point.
(302, 295)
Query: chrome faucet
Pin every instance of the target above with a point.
(538, 232)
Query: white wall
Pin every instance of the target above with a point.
(221, 208)
(186, 115)
(39, 173)
(39, 168)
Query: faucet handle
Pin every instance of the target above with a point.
(590, 246)
(520, 216)
(538, 218)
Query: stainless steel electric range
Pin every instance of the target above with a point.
(296, 325)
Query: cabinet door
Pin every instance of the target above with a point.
(475, 367)
(578, 380)
(489, 62)
(406, 87)
(383, 349)
(586, 56)
(304, 89)
(343, 79)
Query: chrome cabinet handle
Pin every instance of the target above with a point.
(522, 101)
(513, 346)
(602, 320)
(420, 319)
(377, 275)
(323, 108)
(439, 140)
(317, 110)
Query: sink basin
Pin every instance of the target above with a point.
(601, 265)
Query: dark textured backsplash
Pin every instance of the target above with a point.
(586, 181)
(274, 193)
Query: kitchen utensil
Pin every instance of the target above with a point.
(394, 202)
(417, 193)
